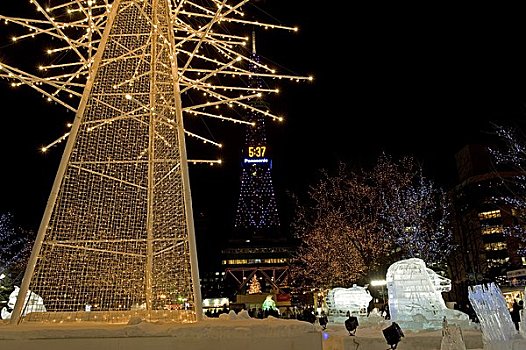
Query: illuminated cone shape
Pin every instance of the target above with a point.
(117, 233)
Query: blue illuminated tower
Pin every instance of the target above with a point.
(257, 246)
(257, 215)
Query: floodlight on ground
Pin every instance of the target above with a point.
(351, 324)
(393, 334)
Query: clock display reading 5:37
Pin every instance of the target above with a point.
(257, 152)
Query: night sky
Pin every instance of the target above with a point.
(421, 81)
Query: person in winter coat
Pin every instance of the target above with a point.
(516, 313)
(323, 320)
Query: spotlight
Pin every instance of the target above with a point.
(351, 324)
(393, 334)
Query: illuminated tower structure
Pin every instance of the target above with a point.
(257, 214)
(117, 235)
(257, 246)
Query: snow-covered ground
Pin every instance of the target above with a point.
(370, 337)
(229, 332)
(226, 333)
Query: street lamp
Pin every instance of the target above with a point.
(380, 283)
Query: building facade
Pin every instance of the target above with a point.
(485, 251)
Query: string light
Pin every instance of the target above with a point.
(63, 82)
(256, 209)
(389, 211)
(118, 232)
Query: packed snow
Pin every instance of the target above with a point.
(230, 331)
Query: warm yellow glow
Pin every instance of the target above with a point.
(489, 214)
(378, 283)
(116, 230)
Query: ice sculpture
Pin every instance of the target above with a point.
(415, 294)
(452, 338)
(33, 303)
(269, 303)
(490, 306)
(354, 300)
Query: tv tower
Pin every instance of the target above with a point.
(257, 216)
(257, 247)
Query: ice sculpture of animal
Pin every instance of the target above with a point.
(354, 300)
(413, 289)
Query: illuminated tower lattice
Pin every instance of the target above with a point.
(257, 212)
(117, 233)
(257, 248)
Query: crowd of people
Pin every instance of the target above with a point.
(303, 314)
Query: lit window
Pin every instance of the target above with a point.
(493, 229)
(495, 246)
(489, 215)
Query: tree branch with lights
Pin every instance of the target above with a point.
(356, 220)
(510, 167)
(15, 248)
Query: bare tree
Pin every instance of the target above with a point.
(357, 220)
(510, 161)
(338, 230)
(415, 211)
(15, 248)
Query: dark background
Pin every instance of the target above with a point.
(420, 80)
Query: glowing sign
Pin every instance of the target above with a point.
(257, 152)
(256, 160)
